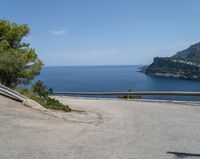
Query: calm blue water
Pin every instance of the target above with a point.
(112, 78)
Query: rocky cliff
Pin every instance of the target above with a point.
(184, 64)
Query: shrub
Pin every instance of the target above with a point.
(41, 89)
(130, 96)
(39, 93)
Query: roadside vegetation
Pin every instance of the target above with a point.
(129, 96)
(39, 93)
(19, 65)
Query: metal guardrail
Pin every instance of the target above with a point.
(11, 93)
(128, 94)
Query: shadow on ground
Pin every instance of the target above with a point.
(183, 154)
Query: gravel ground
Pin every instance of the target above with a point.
(100, 129)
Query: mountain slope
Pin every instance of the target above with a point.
(192, 54)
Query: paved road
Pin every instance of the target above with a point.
(105, 129)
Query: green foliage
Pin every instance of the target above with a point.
(192, 54)
(19, 63)
(41, 89)
(45, 101)
(129, 96)
(41, 92)
(52, 103)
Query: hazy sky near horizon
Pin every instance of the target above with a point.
(105, 32)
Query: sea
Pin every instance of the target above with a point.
(113, 79)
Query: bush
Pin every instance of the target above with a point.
(55, 104)
(41, 89)
(129, 96)
(39, 93)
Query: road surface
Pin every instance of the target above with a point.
(100, 129)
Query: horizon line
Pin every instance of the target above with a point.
(93, 65)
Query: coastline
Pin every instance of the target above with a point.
(167, 75)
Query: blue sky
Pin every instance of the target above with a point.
(105, 32)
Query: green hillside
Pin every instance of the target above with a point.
(192, 54)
